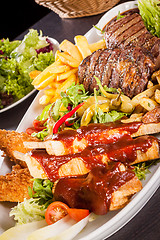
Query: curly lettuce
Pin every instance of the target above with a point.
(150, 13)
(28, 211)
(18, 59)
(33, 209)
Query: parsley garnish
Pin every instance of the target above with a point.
(141, 169)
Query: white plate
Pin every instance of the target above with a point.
(103, 226)
(56, 46)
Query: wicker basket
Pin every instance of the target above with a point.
(78, 8)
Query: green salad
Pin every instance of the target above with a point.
(150, 13)
(17, 60)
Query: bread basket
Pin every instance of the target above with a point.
(77, 8)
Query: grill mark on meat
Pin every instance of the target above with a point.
(102, 66)
(91, 68)
(129, 32)
(122, 32)
(150, 43)
(112, 27)
(83, 71)
(111, 63)
(134, 37)
(114, 59)
(111, 36)
(103, 57)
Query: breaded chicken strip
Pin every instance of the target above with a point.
(11, 141)
(14, 185)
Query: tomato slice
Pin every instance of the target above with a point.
(55, 212)
(31, 130)
(39, 125)
(78, 214)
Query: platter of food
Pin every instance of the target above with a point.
(94, 147)
(16, 61)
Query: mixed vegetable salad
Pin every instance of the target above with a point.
(17, 60)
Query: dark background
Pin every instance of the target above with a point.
(16, 16)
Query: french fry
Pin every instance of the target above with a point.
(60, 69)
(82, 45)
(71, 49)
(150, 84)
(63, 87)
(55, 84)
(157, 96)
(147, 93)
(155, 74)
(97, 45)
(66, 74)
(44, 100)
(67, 59)
(50, 91)
(34, 74)
(135, 117)
(67, 83)
(148, 103)
(45, 74)
(46, 82)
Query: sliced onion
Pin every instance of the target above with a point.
(66, 228)
(71, 232)
(20, 232)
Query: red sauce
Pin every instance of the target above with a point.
(97, 133)
(124, 150)
(94, 190)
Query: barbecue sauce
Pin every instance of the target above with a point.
(94, 190)
(124, 150)
(97, 133)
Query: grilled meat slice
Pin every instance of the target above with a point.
(101, 190)
(131, 31)
(73, 141)
(126, 150)
(129, 70)
(14, 185)
(11, 141)
(132, 55)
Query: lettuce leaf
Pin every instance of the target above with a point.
(28, 211)
(42, 191)
(150, 13)
(18, 59)
(7, 47)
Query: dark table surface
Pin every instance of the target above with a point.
(146, 224)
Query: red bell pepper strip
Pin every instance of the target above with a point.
(65, 117)
(68, 124)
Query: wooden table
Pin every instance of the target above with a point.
(146, 224)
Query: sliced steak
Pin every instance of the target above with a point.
(130, 30)
(83, 72)
(128, 69)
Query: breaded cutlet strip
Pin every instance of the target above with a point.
(11, 141)
(14, 185)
